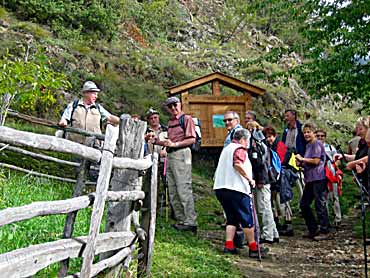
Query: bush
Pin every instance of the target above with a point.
(97, 18)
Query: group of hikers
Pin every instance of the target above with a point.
(253, 160)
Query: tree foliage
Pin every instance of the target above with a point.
(30, 85)
(337, 48)
(97, 18)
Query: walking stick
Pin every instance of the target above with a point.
(256, 227)
(165, 187)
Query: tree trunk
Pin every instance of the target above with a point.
(4, 106)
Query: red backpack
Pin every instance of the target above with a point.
(333, 178)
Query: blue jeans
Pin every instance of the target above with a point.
(315, 190)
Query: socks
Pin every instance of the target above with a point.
(252, 246)
(229, 244)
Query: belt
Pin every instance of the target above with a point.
(170, 150)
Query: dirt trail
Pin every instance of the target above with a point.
(341, 256)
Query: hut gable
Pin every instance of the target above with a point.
(210, 108)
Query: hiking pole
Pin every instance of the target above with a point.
(165, 187)
(363, 214)
(256, 227)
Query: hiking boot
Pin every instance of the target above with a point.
(288, 232)
(263, 252)
(262, 241)
(310, 235)
(276, 240)
(322, 236)
(184, 227)
(232, 251)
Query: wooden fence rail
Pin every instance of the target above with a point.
(16, 214)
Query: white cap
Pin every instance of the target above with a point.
(90, 86)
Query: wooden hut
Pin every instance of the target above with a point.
(210, 108)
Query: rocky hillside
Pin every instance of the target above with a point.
(163, 43)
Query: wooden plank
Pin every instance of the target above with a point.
(129, 163)
(39, 156)
(34, 173)
(148, 222)
(16, 214)
(48, 143)
(216, 90)
(107, 263)
(28, 261)
(101, 192)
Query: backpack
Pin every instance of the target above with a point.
(257, 152)
(198, 138)
(274, 167)
(335, 177)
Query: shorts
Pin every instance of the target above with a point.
(237, 207)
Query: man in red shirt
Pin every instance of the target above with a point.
(180, 138)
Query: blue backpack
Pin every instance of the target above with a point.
(274, 167)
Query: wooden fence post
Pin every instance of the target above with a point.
(99, 203)
(148, 220)
(77, 191)
(130, 144)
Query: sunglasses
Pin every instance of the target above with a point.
(320, 135)
(228, 120)
(172, 105)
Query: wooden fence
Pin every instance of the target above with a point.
(122, 153)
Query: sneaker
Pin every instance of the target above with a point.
(232, 251)
(322, 236)
(263, 252)
(184, 227)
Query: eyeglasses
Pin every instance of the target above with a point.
(228, 120)
(320, 135)
(172, 105)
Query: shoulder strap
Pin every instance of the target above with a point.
(182, 121)
(74, 106)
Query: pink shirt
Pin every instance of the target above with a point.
(175, 131)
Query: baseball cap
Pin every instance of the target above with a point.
(150, 112)
(90, 86)
(171, 100)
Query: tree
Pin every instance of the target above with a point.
(27, 83)
(337, 49)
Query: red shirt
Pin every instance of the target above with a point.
(281, 150)
(175, 131)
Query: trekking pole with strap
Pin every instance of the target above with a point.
(256, 227)
(165, 187)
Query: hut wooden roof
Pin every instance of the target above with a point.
(224, 79)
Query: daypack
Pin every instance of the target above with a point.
(257, 152)
(198, 138)
(274, 167)
(335, 177)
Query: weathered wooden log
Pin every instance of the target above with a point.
(129, 163)
(129, 145)
(16, 214)
(118, 196)
(52, 124)
(34, 173)
(101, 194)
(39, 156)
(48, 143)
(28, 261)
(148, 220)
(107, 263)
